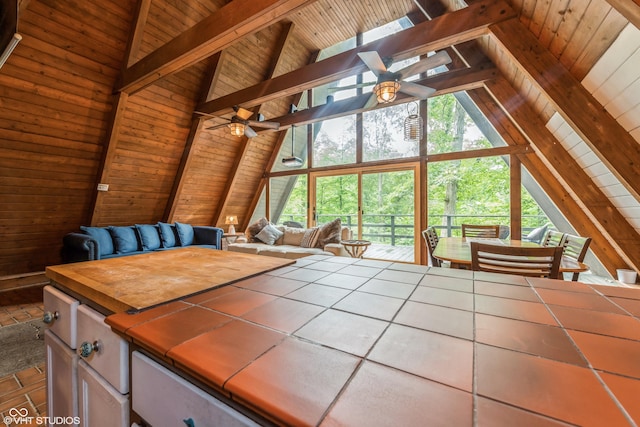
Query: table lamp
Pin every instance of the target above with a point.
(231, 221)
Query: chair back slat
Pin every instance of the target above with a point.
(523, 261)
(553, 238)
(476, 230)
(430, 236)
(576, 247)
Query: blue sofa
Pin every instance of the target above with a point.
(93, 243)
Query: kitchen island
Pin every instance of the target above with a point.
(343, 341)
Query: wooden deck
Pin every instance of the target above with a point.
(390, 253)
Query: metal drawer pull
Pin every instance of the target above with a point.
(48, 317)
(86, 348)
(189, 422)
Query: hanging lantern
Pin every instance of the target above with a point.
(413, 124)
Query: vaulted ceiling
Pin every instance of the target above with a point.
(107, 92)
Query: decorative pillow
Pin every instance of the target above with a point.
(329, 233)
(269, 234)
(293, 236)
(124, 238)
(256, 227)
(103, 237)
(310, 238)
(185, 233)
(167, 235)
(148, 236)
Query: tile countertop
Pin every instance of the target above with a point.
(340, 341)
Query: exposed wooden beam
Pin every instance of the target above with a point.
(604, 135)
(449, 82)
(594, 215)
(192, 138)
(139, 18)
(108, 154)
(214, 33)
(480, 152)
(275, 66)
(452, 28)
(630, 9)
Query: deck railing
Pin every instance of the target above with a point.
(397, 229)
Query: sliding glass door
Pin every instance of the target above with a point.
(377, 204)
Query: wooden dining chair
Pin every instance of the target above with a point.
(553, 238)
(430, 236)
(523, 261)
(472, 230)
(575, 247)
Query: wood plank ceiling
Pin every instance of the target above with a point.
(105, 92)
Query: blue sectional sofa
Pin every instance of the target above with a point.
(93, 243)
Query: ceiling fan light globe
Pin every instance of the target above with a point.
(386, 91)
(237, 129)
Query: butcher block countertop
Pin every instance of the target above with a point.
(137, 282)
(339, 341)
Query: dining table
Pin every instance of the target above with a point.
(457, 250)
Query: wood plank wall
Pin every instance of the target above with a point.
(56, 97)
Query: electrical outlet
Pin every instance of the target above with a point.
(103, 187)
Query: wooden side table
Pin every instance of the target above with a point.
(229, 238)
(356, 248)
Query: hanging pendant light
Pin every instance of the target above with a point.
(413, 124)
(292, 161)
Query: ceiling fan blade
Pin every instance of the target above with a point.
(416, 90)
(217, 126)
(371, 102)
(355, 86)
(440, 58)
(249, 133)
(242, 113)
(264, 124)
(373, 61)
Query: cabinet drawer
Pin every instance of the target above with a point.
(100, 404)
(102, 349)
(162, 398)
(60, 313)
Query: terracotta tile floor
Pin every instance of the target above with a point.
(24, 389)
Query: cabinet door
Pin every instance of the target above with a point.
(162, 398)
(100, 404)
(62, 370)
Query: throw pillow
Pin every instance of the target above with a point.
(310, 238)
(124, 238)
(329, 233)
(148, 236)
(185, 233)
(256, 227)
(167, 235)
(103, 237)
(293, 236)
(269, 234)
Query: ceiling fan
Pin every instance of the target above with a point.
(240, 124)
(388, 83)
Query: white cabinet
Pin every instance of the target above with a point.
(163, 398)
(100, 404)
(62, 368)
(87, 364)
